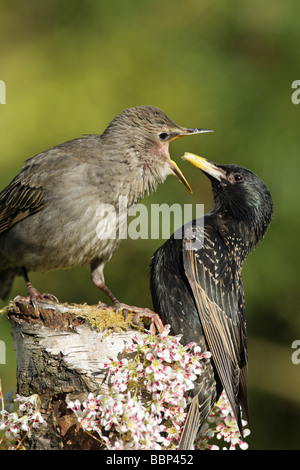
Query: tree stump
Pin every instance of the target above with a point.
(59, 351)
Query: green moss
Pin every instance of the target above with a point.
(106, 318)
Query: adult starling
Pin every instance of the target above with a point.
(55, 212)
(197, 288)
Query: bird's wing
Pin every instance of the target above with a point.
(26, 194)
(218, 295)
(19, 200)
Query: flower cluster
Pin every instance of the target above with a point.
(224, 426)
(148, 397)
(147, 400)
(18, 425)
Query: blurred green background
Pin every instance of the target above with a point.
(70, 66)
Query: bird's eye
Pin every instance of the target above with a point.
(163, 135)
(238, 177)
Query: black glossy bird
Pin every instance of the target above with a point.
(197, 288)
(53, 214)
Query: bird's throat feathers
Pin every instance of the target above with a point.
(156, 166)
(243, 229)
(246, 210)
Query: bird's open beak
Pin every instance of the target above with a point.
(205, 165)
(186, 131)
(176, 170)
(173, 165)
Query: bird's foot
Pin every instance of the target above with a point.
(141, 312)
(102, 305)
(34, 297)
(33, 294)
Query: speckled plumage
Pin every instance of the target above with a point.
(49, 213)
(197, 288)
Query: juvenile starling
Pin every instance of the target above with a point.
(197, 288)
(52, 214)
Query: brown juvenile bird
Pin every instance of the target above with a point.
(56, 213)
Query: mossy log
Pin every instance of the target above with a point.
(59, 351)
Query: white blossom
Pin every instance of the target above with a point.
(148, 399)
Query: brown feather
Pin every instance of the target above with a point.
(17, 202)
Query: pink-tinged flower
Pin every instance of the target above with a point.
(147, 403)
(22, 422)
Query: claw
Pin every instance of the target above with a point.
(33, 293)
(155, 320)
(141, 312)
(50, 297)
(34, 297)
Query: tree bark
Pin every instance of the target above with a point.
(59, 351)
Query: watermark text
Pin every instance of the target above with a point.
(159, 221)
(2, 92)
(296, 94)
(296, 354)
(2, 352)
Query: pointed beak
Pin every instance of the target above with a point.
(176, 170)
(205, 165)
(186, 131)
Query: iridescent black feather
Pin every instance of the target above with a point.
(197, 288)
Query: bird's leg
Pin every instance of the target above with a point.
(106, 290)
(140, 312)
(33, 293)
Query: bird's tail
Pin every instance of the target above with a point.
(207, 391)
(191, 426)
(207, 394)
(6, 280)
